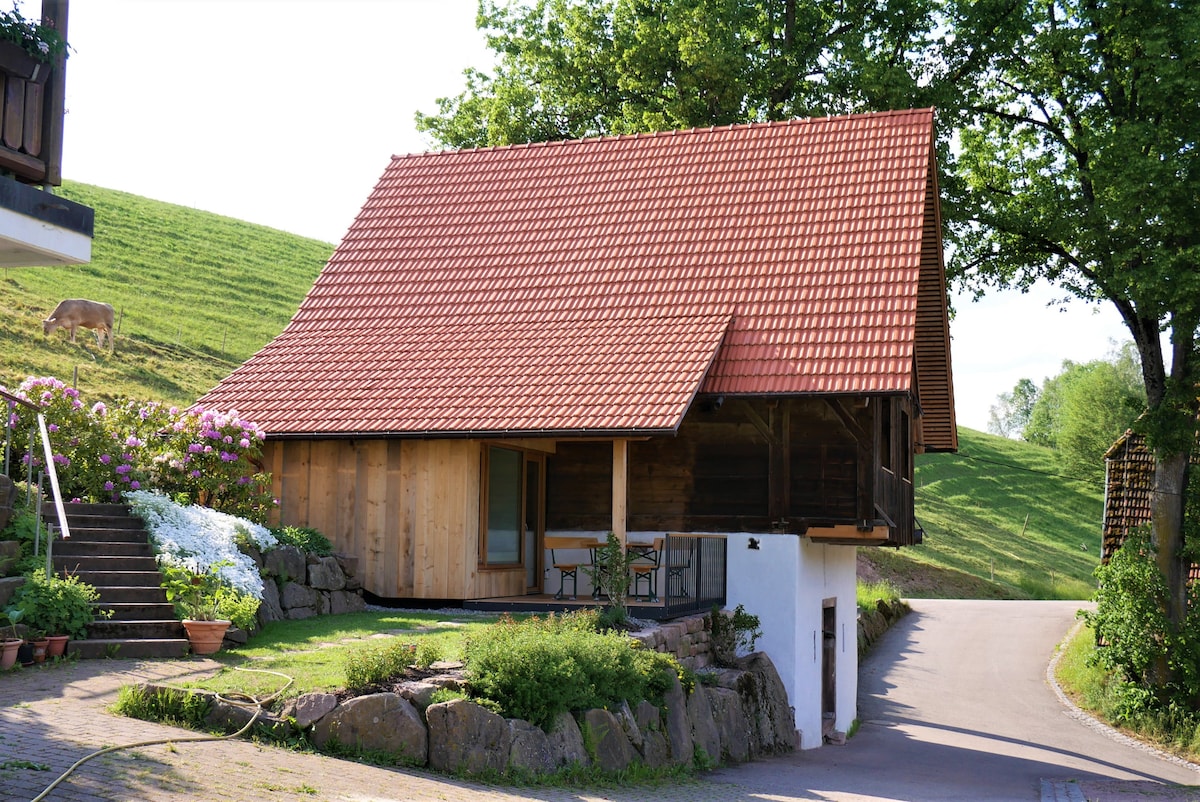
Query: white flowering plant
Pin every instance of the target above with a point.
(206, 572)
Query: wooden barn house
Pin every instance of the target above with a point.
(727, 343)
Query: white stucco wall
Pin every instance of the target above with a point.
(785, 582)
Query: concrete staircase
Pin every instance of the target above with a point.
(109, 548)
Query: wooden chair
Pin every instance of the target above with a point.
(567, 568)
(644, 566)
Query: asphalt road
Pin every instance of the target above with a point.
(955, 704)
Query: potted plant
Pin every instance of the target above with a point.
(198, 598)
(37, 639)
(58, 606)
(9, 646)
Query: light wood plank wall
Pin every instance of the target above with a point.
(408, 509)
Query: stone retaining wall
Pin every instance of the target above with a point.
(736, 715)
(300, 585)
(873, 623)
(686, 639)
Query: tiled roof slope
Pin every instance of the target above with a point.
(598, 285)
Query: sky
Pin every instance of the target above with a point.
(286, 113)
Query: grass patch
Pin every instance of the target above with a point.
(1001, 521)
(869, 594)
(315, 652)
(1097, 692)
(195, 295)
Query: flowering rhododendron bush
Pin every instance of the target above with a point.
(197, 456)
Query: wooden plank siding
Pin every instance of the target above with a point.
(408, 509)
(934, 376)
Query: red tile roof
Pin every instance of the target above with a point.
(600, 284)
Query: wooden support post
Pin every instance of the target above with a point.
(620, 488)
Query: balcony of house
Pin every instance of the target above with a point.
(36, 226)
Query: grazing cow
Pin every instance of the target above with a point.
(76, 312)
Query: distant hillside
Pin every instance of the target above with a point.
(1000, 521)
(195, 294)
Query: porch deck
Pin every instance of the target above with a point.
(690, 579)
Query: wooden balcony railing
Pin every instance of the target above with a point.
(895, 501)
(31, 109)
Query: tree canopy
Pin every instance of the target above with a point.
(570, 69)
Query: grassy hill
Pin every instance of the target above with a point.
(1000, 522)
(194, 293)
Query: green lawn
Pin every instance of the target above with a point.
(313, 651)
(195, 295)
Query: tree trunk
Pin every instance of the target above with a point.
(1167, 507)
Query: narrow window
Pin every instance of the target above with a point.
(504, 500)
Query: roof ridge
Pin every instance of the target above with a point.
(795, 121)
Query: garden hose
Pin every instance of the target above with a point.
(257, 704)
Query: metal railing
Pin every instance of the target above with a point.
(49, 469)
(695, 573)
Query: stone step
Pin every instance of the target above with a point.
(107, 564)
(130, 594)
(98, 534)
(144, 579)
(80, 509)
(97, 548)
(140, 630)
(139, 611)
(98, 648)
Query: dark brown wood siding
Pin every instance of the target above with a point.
(936, 428)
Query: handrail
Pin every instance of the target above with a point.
(58, 502)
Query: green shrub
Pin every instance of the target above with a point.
(305, 539)
(374, 664)
(537, 668)
(166, 705)
(56, 605)
(732, 634)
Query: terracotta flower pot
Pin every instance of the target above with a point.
(39, 650)
(58, 645)
(205, 636)
(8, 653)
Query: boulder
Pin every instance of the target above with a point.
(467, 738)
(270, 610)
(679, 729)
(10, 552)
(705, 736)
(566, 742)
(648, 716)
(344, 601)
(656, 752)
(765, 702)
(732, 724)
(308, 709)
(348, 563)
(8, 587)
(326, 574)
(530, 750)
(287, 563)
(296, 595)
(629, 725)
(613, 751)
(379, 722)
(299, 613)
